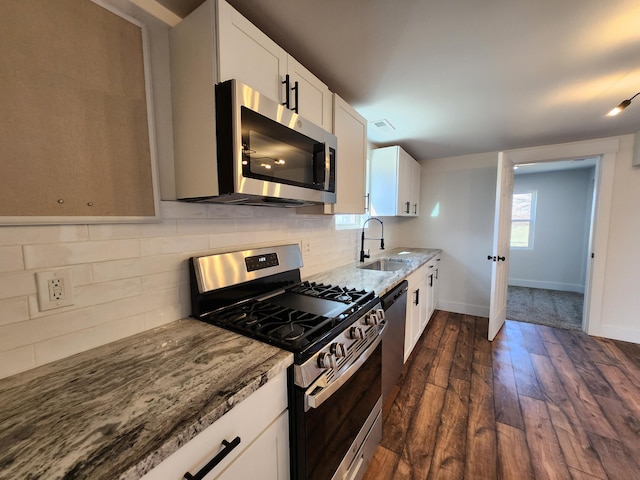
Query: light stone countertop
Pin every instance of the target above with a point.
(116, 411)
(378, 281)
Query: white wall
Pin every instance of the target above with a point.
(466, 233)
(557, 258)
(620, 315)
(457, 199)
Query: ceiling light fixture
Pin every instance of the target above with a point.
(624, 104)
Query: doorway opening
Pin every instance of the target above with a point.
(552, 215)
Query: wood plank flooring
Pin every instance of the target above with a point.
(536, 403)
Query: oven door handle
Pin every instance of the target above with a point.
(314, 400)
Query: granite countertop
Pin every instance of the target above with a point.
(379, 281)
(116, 411)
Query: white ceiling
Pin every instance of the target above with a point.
(467, 76)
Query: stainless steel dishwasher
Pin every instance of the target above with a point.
(394, 304)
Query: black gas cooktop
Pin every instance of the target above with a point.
(297, 318)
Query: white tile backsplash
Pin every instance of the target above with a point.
(34, 234)
(65, 345)
(14, 310)
(134, 267)
(131, 277)
(70, 253)
(132, 230)
(11, 259)
(17, 284)
(17, 360)
(186, 243)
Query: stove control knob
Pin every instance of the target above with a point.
(338, 350)
(326, 360)
(356, 333)
(371, 319)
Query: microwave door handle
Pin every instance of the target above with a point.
(319, 164)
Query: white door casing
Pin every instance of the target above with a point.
(501, 242)
(607, 149)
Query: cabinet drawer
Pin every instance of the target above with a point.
(246, 420)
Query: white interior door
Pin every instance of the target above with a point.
(501, 239)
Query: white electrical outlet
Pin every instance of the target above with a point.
(55, 289)
(306, 247)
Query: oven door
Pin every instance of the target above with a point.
(330, 436)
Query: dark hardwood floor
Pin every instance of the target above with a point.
(536, 403)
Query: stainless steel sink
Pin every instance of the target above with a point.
(384, 265)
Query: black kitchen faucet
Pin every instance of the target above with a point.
(362, 254)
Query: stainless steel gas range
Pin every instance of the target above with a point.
(335, 335)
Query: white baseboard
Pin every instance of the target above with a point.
(564, 287)
(616, 333)
(465, 309)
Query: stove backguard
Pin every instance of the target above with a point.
(224, 279)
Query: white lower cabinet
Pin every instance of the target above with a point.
(416, 308)
(421, 302)
(267, 457)
(260, 421)
(433, 283)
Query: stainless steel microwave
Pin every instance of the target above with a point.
(265, 155)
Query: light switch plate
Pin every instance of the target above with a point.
(55, 289)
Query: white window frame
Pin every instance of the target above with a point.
(348, 221)
(531, 220)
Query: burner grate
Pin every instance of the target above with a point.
(281, 325)
(301, 319)
(332, 292)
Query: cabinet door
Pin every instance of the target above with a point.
(415, 188)
(415, 309)
(384, 181)
(405, 184)
(395, 183)
(431, 285)
(424, 304)
(267, 458)
(247, 54)
(314, 97)
(436, 282)
(351, 129)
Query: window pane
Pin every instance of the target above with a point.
(521, 206)
(519, 234)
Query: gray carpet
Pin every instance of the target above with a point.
(545, 307)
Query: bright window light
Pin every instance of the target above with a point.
(522, 219)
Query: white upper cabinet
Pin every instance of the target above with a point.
(351, 129)
(314, 97)
(395, 183)
(248, 55)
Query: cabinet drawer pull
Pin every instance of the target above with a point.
(226, 450)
